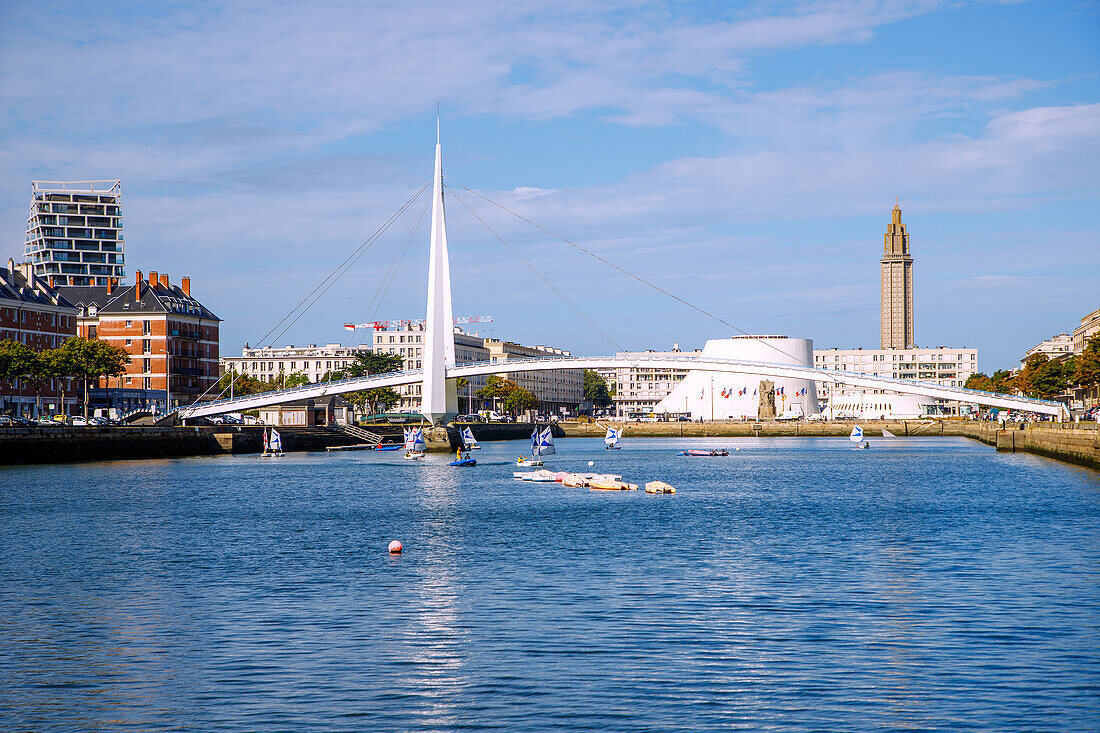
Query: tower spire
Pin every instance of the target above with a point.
(438, 397)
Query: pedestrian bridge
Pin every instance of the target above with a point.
(699, 363)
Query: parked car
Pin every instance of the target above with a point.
(79, 421)
(6, 421)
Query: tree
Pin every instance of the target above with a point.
(460, 384)
(18, 361)
(519, 400)
(1043, 378)
(1086, 371)
(595, 389)
(375, 400)
(242, 384)
(91, 359)
(296, 379)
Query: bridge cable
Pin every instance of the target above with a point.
(338, 272)
(612, 265)
(391, 272)
(533, 269)
(341, 269)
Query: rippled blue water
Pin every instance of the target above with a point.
(927, 584)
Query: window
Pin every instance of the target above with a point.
(129, 323)
(146, 328)
(146, 346)
(129, 342)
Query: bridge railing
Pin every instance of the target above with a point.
(817, 375)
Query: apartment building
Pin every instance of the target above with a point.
(171, 337)
(74, 232)
(638, 390)
(270, 363)
(944, 365)
(407, 341)
(557, 390)
(33, 313)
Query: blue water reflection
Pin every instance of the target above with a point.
(927, 584)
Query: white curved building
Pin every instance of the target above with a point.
(717, 396)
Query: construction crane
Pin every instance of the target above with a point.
(383, 325)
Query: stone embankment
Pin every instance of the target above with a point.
(1072, 442)
(1075, 443)
(65, 445)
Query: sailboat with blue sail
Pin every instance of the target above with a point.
(468, 439)
(273, 444)
(542, 444)
(414, 444)
(612, 438)
(857, 437)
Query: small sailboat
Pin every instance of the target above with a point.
(414, 444)
(273, 444)
(542, 444)
(612, 438)
(857, 437)
(468, 439)
(887, 434)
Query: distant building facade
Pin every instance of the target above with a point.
(33, 313)
(171, 337)
(557, 390)
(1089, 328)
(639, 389)
(272, 363)
(407, 341)
(74, 232)
(1055, 348)
(897, 287)
(944, 365)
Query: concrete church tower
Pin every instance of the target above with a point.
(897, 287)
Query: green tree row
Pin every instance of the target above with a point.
(77, 358)
(1043, 378)
(513, 398)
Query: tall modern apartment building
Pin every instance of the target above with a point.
(897, 287)
(74, 232)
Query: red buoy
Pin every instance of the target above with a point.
(396, 547)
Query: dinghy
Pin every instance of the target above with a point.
(704, 453)
(468, 439)
(273, 444)
(857, 438)
(658, 487)
(414, 444)
(612, 438)
(542, 444)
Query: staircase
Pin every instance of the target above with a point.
(359, 433)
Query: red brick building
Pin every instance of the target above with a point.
(171, 337)
(37, 315)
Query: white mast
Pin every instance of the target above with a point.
(439, 398)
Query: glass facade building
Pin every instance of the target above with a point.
(74, 232)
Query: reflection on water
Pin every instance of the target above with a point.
(925, 584)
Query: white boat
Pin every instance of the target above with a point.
(857, 437)
(414, 444)
(541, 476)
(273, 444)
(612, 438)
(542, 444)
(469, 440)
(887, 434)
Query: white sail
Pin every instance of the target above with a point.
(887, 434)
(414, 439)
(857, 435)
(468, 438)
(276, 443)
(546, 442)
(267, 442)
(613, 436)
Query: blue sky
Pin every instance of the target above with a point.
(745, 156)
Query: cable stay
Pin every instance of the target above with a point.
(613, 266)
(535, 270)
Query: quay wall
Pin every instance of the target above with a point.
(69, 444)
(1071, 442)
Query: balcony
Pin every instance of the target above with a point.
(184, 334)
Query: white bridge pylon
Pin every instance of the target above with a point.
(725, 366)
(439, 401)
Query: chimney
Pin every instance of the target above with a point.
(153, 279)
(137, 284)
(51, 281)
(110, 285)
(185, 283)
(11, 270)
(164, 281)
